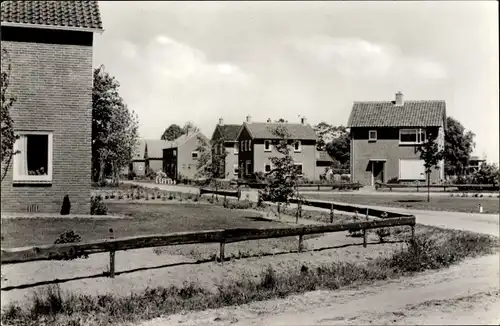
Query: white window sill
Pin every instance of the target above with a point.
(410, 144)
(31, 181)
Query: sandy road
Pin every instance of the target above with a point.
(463, 294)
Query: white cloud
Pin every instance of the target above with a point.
(358, 58)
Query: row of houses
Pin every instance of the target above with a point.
(384, 137)
(50, 47)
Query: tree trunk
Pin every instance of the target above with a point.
(102, 164)
(428, 187)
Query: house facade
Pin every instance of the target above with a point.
(180, 158)
(49, 46)
(256, 148)
(226, 137)
(385, 136)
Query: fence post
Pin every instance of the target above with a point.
(318, 187)
(367, 214)
(364, 238)
(301, 240)
(222, 252)
(111, 258)
(332, 214)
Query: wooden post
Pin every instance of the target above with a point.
(301, 240)
(367, 214)
(222, 252)
(111, 258)
(332, 214)
(364, 238)
(297, 213)
(318, 187)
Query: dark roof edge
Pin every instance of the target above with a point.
(53, 27)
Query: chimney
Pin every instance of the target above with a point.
(269, 120)
(303, 120)
(399, 99)
(221, 122)
(249, 119)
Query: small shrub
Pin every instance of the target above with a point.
(170, 197)
(131, 175)
(382, 234)
(66, 206)
(97, 207)
(70, 237)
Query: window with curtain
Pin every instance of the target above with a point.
(33, 159)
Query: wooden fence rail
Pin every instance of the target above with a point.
(459, 187)
(68, 250)
(222, 192)
(348, 208)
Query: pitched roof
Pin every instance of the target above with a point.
(184, 138)
(386, 114)
(71, 15)
(156, 146)
(262, 130)
(323, 156)
(229, 132)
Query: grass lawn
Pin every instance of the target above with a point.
(452, 204)
(145, 219)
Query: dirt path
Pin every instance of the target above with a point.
(463, 294)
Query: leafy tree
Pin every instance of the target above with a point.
(336, 141)
(487, 174)
(458, 147)
(8, 99)
(211, 160)
(173, 132)
(283, 179)
(431, 154)
(189, 127)
(114, 128)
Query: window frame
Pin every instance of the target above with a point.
(301, 168)
(418, 133)
(299, 149)
(267, 142)
(270, 167)
(41, 179)
(247, 165)
(236, 168)
(370, 138)
(197, 155)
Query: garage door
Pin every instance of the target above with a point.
(411, 169)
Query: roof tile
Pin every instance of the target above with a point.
(386, 114)
(262, 130)
(75, 14)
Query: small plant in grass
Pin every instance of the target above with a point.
(170, 197)
(383, 233)
(70, 237)
(97, 207)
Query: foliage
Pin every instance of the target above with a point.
(114, 127)
(131, 175)
(173, 132)
(283, 179)
(66, 206)
(431, 154)
(8, 100)
(458, 147)
(71, 237)
(97, 206)
(336, 141)
(211, 160)
(487, 174)
(190, 127)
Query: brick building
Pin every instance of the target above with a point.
(385, 135)
(49, 44)
(226, 135)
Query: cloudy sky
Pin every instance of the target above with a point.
(198, 61)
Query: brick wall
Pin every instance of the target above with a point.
(385, 147)
(52, 79)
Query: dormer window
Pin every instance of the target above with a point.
(372, 135)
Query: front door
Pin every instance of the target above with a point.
(378, 171)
